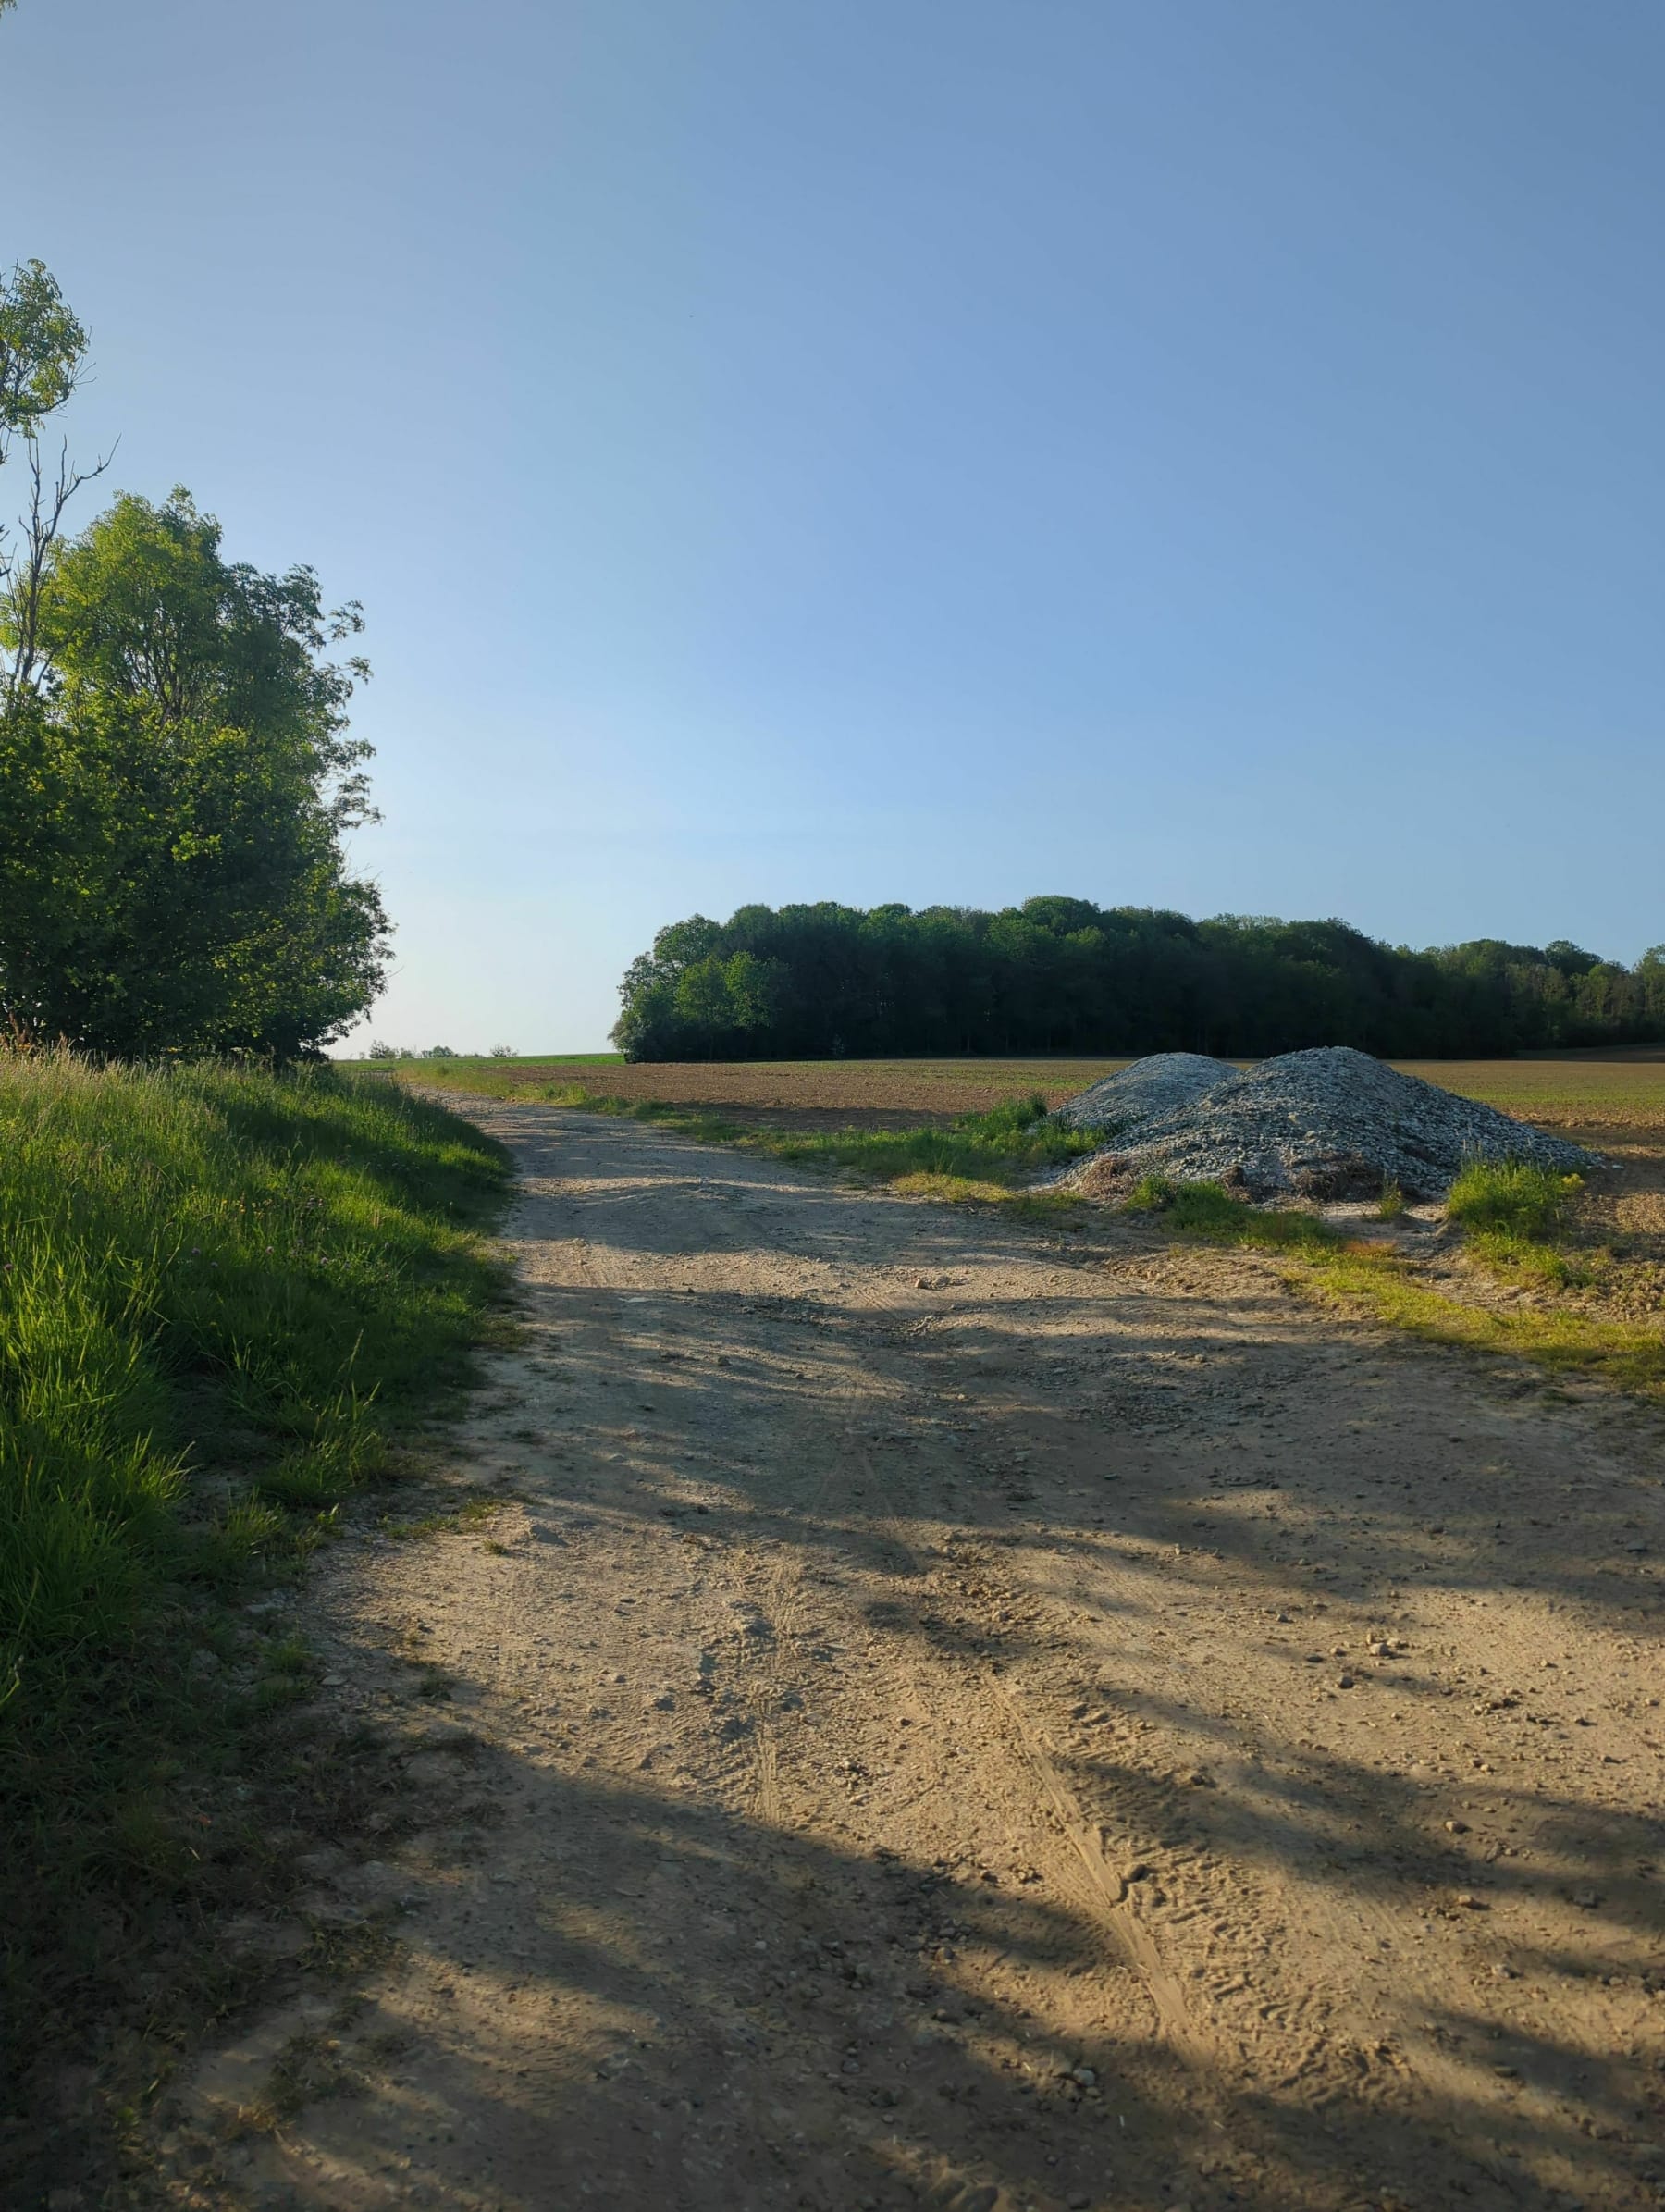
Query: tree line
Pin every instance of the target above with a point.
(1063, 975)
(175, 777)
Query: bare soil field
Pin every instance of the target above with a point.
(894, 1092)
(1619, 1089)
(942, 1713)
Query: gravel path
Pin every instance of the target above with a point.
(942, 1717)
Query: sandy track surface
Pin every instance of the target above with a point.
(947, 1715)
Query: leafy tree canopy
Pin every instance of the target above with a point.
(42, 348)
(174, 782)
(1062, 974)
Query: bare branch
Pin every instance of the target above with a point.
(24, 574)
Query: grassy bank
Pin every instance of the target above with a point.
(223, 1297)
(1516, 1216)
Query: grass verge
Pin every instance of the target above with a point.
(980, 1156)
(1515, 1207)
(225, 1297)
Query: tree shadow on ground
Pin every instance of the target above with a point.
(772, 2014)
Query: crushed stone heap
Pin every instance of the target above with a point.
(1327, 1124)
(1153, 1085)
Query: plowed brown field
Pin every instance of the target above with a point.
(1625, 1090)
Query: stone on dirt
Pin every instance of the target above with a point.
(1153, 1085)
(1330, 1123)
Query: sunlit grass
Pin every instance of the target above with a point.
(223, 1295)
(979, 1156)
(1375, 1280)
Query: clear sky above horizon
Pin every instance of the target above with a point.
(1192, 454)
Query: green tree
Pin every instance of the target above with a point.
(1064, 974)
(42, 348)
(703, 1003)
(754, 990)
(176, 780)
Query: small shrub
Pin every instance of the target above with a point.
(1515, 1214)
(1152, 1194)
(1013, 1117)
(1390, 1206)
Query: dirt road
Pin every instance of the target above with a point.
(948, 1714)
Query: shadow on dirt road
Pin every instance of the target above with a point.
(940, 1716)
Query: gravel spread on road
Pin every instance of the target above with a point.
(1155, 1085)
(1329, 1123)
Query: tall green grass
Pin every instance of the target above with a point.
(1208, 1209)
(1515, 1216)
(223, 1293)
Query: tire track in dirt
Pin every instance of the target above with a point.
(1104, 1893)
(1052, 1823)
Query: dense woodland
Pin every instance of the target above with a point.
(1063, 975)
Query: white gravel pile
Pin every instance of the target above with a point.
(1155, 1085)
(1327, 1124)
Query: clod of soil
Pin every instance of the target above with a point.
(1329, 1123)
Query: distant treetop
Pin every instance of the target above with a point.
(1060, 974)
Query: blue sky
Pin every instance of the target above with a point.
(1190, 453)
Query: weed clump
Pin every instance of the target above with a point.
(1516, 1215)
(1208, 1209)
(1512, 1198)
